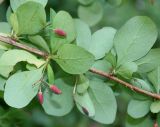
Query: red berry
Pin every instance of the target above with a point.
(60, 32)
(55, 89)
(40, 97)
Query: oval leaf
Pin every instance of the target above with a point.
(20, 88)
(133, 40)
(104, 102)
(36, 18)
(59, 105)
(138, 108)
(74, 59)
(91, 14)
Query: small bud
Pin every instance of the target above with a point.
(55, 89)
(40, 97)
(60, 32)
(85, 111)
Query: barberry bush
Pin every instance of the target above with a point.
(55, 59)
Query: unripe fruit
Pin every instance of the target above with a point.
(40, 97)
(60, 32)
(55, 89)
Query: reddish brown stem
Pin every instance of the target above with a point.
(128, 85)
(10, 41)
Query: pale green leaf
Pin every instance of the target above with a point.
(59, 105)
(104, 102)
(150, 61)
(91, 14)
(83, 32)
(10, 58)
(134, 39)
(20, 88)
(102, 42)
(17, 3)
(138, 108)
(155, 107)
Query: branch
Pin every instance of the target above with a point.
(12, 42)
(128, 85)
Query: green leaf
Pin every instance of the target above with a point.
(2, 83)
(91, 14)
(85, 2)
(36, 18)
(111, 58)
(39, 41)
(8, 14)
(50, 74)
(14, 22)
(102, 42)
(59, 105)
(82, 84)
(10, 58)
(138, 108)
(155, 107)
(20, 88)
(142, 122)
(150, 61)
(127, 69)
(52, 15)
(4, 29)
(74, 59)
(154, 77)
(64, 21)
(104, 102)
(134, 39)
(17, 3)
(83, 101)
(83, 32)
(142, 84)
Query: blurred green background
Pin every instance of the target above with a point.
(113, 15)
